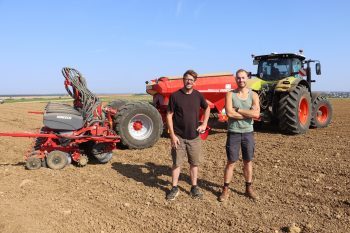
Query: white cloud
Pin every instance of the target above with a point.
(198, 10)
(178, 8)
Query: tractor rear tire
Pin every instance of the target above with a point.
(139, 125)
(56, 159)
(322, 112)
(294, 111)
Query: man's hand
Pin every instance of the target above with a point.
(174, 141)
(202, 128)
(255, 108)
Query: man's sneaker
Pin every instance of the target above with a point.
(196, 193)
(225, 194)
(174, 192)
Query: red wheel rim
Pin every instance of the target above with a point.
(137, 125)
(303, 111)
(322, 114)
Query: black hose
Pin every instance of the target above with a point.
(89, 101)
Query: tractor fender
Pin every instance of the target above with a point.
(290, 83)
(257, 83)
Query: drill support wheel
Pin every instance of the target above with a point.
(56, 160)
(33, 163)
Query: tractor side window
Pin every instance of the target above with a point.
(265, 70)
(296, 66)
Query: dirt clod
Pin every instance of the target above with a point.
(25, 182)
(294, 228)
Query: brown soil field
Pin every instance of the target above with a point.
(303, 183)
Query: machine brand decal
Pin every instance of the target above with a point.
(64, 117)
(215, 90)
(228, 86)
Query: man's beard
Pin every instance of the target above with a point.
(189, 88)
(242, 85)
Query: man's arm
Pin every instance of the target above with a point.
(169, 119)
(230, 112)
(254, 111)
(206, 115)
(203, 126)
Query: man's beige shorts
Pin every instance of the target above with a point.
(190, 147)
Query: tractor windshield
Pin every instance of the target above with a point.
(275, 69)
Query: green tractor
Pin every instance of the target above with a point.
(285, 96)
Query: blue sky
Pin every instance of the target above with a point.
(118, 45)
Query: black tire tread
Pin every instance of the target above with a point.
(288, 108)
(315, 105)
(117, 104)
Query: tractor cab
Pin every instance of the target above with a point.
(274, 67)
(279, 66)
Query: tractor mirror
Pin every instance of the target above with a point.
(318, 68)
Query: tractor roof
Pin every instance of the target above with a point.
(279, 55)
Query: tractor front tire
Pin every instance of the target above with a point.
(139, 125)
(294, 111)
(322, 112)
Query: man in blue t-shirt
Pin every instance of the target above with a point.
(184, 128)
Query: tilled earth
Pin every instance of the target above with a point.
(303, 183)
